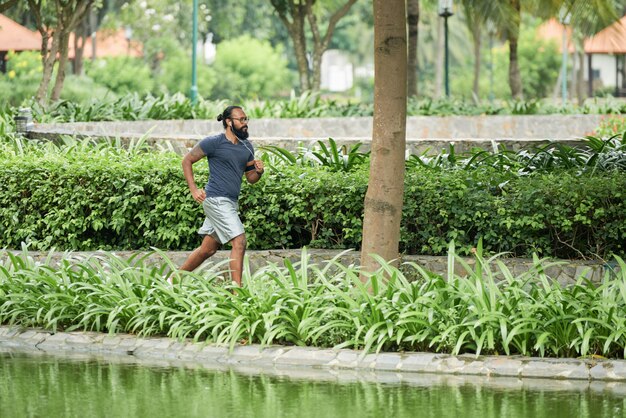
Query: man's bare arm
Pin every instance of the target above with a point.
(255, 175)
(192, 157)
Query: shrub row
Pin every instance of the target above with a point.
(134, 106)
(86, 199)
(487, 309)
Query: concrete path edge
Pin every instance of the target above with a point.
(29, 340)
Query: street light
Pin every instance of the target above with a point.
(194, 47)
(128, 34)
(23, 121)
(445, 11)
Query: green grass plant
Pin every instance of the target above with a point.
(479, 307)
(134, 106)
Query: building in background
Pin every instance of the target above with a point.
(15, 37)
(337, 72)
(605, 55)
(109, 42)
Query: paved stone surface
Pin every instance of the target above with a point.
(282, 359)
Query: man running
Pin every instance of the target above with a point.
(229, 155)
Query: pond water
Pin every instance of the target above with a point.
(48, 386)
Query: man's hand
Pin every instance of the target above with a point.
(199, 195)
(258, 166)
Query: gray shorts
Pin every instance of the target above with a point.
(222, 219)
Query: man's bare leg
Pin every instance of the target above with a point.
(236, 258)
(208, 247)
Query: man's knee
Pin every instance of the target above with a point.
(207, 252)
(208, 248)
(239, 243)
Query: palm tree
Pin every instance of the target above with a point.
(474, 22)
(412, 18)
(506, 17)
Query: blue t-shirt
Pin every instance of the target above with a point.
(227, 163)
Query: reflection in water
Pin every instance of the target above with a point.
(44, 386)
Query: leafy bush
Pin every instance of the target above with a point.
(610, 126)
(174, 75)
(248, 67)
(84, 197)
(82, 89)
(22, 78)
(122, 75)
(129, 107)
(331, 157)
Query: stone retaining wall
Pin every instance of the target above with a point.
(423, 133)
(418, 127)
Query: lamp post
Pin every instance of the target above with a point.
(128, 34)
(194, 47)
(23, 121)
(445, 11)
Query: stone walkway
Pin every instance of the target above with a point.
(310, 359)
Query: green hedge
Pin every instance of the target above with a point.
(86, 199)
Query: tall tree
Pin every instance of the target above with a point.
(413, 18)
(55, 20)
(296, 15)
(383, 200)
(512, 35)
(506, 16)
(474, 22)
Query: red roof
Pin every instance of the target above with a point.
(15, 37)
(553, 30)
(109, 43)
(610, 40)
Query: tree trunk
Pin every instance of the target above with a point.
(68, 14)
(439, 59)
(295, 29)
(309, 67)
(580, 82)
(476, 34)
(321, 42)
(383, 200)
(48, 59)
(413, 17)
(515, 79)
(316, 76)
(79, 53)
(80, 37)
(60, 78)
(299, 45)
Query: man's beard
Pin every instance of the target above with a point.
(240, 133)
